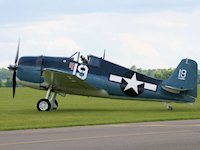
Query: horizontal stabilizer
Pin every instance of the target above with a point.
(174, 90)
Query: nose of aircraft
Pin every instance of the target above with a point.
(14, 69)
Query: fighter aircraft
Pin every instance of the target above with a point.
(95, 76)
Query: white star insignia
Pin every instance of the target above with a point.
(132, 83)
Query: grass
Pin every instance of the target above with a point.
(21, 113)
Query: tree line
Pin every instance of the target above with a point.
(5, 78)
(154, 73)
(6, 75)
(158, 73)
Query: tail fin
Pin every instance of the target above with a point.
(184, 79)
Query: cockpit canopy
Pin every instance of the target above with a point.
(94, 61)
(90, 59)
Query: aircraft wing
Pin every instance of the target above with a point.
(65, 82)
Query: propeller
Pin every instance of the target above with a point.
(14, 69)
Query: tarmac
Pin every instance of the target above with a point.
(166, 135)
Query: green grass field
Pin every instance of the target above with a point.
(21, 113)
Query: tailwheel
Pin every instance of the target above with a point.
(43, 105)
(168, 106)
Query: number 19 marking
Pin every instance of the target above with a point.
(182, 74)
(80, 71)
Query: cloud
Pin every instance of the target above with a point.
(136, 52)
(23, 10)
(139, 48)
(148, 40)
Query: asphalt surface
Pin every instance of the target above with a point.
(168, 135)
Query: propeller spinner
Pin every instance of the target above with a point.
(14, 68)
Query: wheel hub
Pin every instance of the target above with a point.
(43, 106)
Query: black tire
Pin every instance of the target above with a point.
(43, 105)
(56, 103)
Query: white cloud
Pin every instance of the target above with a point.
(141, 54)
(164, 19)
(148, 40)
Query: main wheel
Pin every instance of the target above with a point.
(55, 106)
(43, 105)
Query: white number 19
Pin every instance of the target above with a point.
(80, 71)
(182, 74)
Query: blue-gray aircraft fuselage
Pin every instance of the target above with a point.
(101, 78)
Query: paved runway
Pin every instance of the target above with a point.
(168, 135)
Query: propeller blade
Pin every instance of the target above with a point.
(17, 54)
(14, 82)
(14, 68)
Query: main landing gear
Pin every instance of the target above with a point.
(49, 102)
(168, 106)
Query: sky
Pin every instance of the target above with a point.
(147, 34)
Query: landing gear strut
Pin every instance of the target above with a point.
(168, 106)
(49, 102)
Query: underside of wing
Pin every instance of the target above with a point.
(65, 82)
